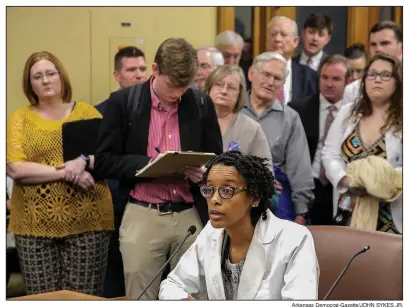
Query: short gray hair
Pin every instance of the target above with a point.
(210, 53)
(228, 38)
(217, 56)
(265, 57)
(278, 18)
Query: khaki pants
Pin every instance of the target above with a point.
(146, 238)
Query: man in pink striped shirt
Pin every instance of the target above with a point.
(158, 211)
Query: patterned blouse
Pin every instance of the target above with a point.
(353, 149)
(230, 273)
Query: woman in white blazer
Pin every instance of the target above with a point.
(370, 126)
(244, 252)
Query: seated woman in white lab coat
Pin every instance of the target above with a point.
(244, 252)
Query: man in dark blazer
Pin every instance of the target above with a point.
(129, 69)
(158, 212)
(317, 114)
(283, 38)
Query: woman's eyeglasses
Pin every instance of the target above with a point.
(224, 192)
(49, 75)
(385, 75)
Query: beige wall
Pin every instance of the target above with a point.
(86, 39)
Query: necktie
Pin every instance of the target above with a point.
(329, 120)
(281, 95)
(309, 61)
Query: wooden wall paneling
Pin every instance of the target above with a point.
(287, 11)
(397, 12)
(257, 31)
(225, 19)
(358, 25)
(373, 16)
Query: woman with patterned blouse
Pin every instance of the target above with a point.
(370, 126)
(60, 216)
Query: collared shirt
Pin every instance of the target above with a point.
(288, 83)
(289, 148)
(315, 60)
(164, 134)
(323, 114)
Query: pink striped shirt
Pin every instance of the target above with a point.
(164, 134)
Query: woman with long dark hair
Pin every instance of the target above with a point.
(370, 126)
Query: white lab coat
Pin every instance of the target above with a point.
(335, 165)
(281, 263)
(352, 92)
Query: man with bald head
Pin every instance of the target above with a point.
(230, 44)
(282, 34)
(206, 64)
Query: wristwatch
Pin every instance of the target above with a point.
(86, 158)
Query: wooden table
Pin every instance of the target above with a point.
(63, 295)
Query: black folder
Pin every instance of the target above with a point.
(80, 137)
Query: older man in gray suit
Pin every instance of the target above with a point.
(283, 128)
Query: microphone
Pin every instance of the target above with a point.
(363, 250)
(191, 230)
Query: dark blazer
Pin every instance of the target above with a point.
(102, 107)
(122, 150)
(113, 184)
(304, 81)
(308, 110)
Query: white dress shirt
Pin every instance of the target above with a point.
(323, 114)
(288, 84)
(315, 60)
(352, 92)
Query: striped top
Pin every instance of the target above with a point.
(164, 134)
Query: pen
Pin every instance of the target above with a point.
(157, 149)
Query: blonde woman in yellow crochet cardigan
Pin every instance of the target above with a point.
(370, 126)
(61, 218)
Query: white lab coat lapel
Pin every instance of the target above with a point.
(254, 267)
(215, 286)
(393, 145)
(394, 149)
(349, 129)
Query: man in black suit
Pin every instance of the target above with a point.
(158, 212)
(283, 38)
(317, 114)
(129, 69)
(315, 35)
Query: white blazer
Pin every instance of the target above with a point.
(335, 165)
(281, 263)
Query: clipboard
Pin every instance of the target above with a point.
(80, 137)
(172, 164)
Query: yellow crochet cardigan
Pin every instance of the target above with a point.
(55, 209)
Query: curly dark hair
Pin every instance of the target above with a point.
(363, 105)
(256, 174)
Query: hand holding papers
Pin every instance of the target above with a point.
(173, 164)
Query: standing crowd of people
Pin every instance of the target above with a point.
(293, 136)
